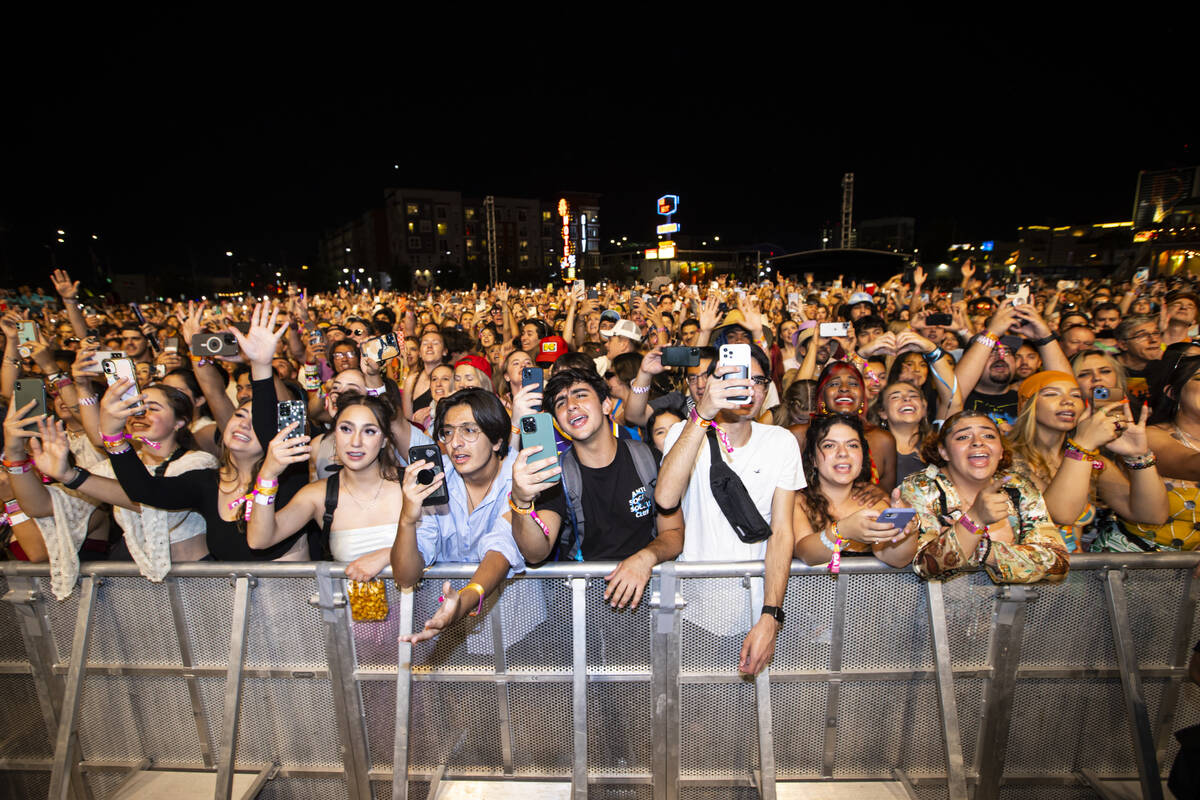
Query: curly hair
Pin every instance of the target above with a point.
(817, 504)
(929, 448)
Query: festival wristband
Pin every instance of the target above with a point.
(835, 563)
(89, 401)
(479, 591)
(531, 513)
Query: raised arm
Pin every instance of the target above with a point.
(973, 362)
(51, 449)
(68, 290)
(407, 561)
(26, 485)
(269, 525)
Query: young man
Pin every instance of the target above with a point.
(767, 459)
(624, 337)
(1181, 310)
(619, 520)
(474, 526)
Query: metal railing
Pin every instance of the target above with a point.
(951, 689)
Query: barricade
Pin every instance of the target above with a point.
(257, 674)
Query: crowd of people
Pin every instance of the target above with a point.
(999, 423)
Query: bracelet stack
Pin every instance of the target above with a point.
(18, 467)
(529, 512)
(90, 400)
(264, 492)
(13, 514)
(987, 339)
(633, 387)
(115, 445)
(835, 563)
(1079, 453)
(700, 422)
(1145, 461)
(479, 591)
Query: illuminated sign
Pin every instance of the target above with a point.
(668, 227)
(1143, 236)
(567, 262)
(651, 252)
(988, 246)
(961, 247)
(668, 204)
(666, 249)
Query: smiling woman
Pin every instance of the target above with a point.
(972, 511)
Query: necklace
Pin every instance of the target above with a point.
(1185, 438)
(361, 505)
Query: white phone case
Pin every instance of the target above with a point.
(739, 356)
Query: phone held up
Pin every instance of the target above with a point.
(533, 376)
(681, 356)
(431, 454)
(27, 389)
(737, 355)
(537, 430)
(116, 369)
(287, 412)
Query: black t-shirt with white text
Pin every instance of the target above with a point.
(618, 511)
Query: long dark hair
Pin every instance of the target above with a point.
(383, 412)
(819, 512)
(1167, 406)
(928, 388)
(182, 408)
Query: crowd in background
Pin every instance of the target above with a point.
(998, 422)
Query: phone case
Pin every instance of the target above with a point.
(737, 355)
(115, 369)
(26, 390)
(538, 430)
(432, 454)
(533, 376)
(287, 412)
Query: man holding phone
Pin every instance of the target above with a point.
(767, 460)
(619, 520)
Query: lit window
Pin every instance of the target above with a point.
(412, 227)
(443, 228)
(547, 216)
(524, 244)
(524, 258)
(469, 213)
(470, 244)
(413, 209)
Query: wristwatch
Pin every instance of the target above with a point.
(775, 612)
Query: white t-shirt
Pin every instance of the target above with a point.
(770, 460)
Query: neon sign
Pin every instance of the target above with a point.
(668, 204)
(567, 262)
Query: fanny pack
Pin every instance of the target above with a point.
(733, 499)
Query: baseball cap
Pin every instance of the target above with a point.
(608, 315)
(550, 348)
(478, 362)
(624, 327)
(860, 297)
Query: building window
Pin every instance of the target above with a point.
(443, 246)
(524, 258)
(413, 209)
(426, 226)
(522, 231)
(470, 244)
(520, 215)
(469, 213)
(524, 244)
(414, 243)
(547, 216)
(412, 227)
(443, 228)
(441, 212)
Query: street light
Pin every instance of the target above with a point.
(345, 270)
(229, 253)
(61, 232)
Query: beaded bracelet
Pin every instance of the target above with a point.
(988, 340)
(1140, 462)
(90, 400)
(479, 591)
(633, 387)
(1078, 453)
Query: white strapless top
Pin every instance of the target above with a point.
(349, 545)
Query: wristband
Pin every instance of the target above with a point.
(988, 340)
(201, 361)
(16, 519)
(934, 355)
(113, 439)
(701, 422)
(970, 525)
(375, 391)
(1042, 342)
(479, 591)
(266, 483)
(81, 475)
(530, 512)
(117, 449)
(1082, 455)
(835, 563)
(90, 400)
(264, 499)
(19, 469)
(633, 387)
(12, 507)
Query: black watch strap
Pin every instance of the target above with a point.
(1042, 342)
(78, 479)
(775, 612)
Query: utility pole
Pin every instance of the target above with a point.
(489, 213)
(848, 237)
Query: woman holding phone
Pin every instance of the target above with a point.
(833, 517)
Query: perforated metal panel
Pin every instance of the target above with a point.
(286, 721)
(541, 727)
(798, 713)
(284, 628)
(61, 614)
(104, 782)
(887, 623)
(620, 727)
(719, 732)
(1155, 599)
(932, 791)
(12, 647)
(969, 602)
(1076, 605)
(304, 789)
(872, 713)
(131, 624)
(969, 695)
(131, 717)
(717, 793)
(716, 618)
(1045, 792)
(619, 791)
(617, 639)
(20, 785)
(539, 635)
(450, 651)
(456, 725)
(1060, 725)
(22, 726)
(208, 609)
(379, 706)
(808, 604)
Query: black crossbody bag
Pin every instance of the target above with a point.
(733, 499)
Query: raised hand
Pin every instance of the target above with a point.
(710, 313)
(1131, 440)
(66, 289)
(192, 323)
(260, 343)
(991, 504)
(115, 410)
(50, 449)
(415, 492)
(282, 452)
(17, 430)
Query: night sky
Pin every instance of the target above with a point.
(174, 151)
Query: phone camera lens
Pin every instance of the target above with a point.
(528, 425)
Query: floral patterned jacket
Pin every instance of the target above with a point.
(1037, 553)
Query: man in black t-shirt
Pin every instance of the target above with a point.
(622, 523)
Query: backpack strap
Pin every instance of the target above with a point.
(572, 486)
(332, 487)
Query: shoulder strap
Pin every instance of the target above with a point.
(332, 487)
(572, 484)
(644, 463)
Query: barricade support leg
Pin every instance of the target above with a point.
(956, 778)
(836, 649)
(503, 707)
(579, 674)
(185, 655)
(66, 747)
(1179, 659)
(227, 754)
(347, 700)
(1008, 630)
(30, 608)
(1131, 685)
(403, 696)
(664, 670)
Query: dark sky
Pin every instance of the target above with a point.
(175, 148)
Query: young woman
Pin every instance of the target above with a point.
(226, 494)
(972, 510)
(417, 389)
(369, 494)
(203, 427)
(901, 409)
(441, 386)
(1056, 443)
(840, 390)
(830, 518)
(473, 371)
(155, 537)
(510, 376)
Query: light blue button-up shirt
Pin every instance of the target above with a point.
(453, 534)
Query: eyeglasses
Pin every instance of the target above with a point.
(1147, 335)
(470, 433)
(357, 332)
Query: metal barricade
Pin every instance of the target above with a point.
(946, 689)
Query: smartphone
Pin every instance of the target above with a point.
(171, 344)
(737, 355)
(160, 370)
(793, 301)
(1013, 343)
(137, 312)
(533, 311)
(383, 348)
(1100, 393)
(830, 330)
(1021, 295)
(115, 369)
(1142, 274)
(579, 288)
(533, 376)
(30, 389)
(681, 356)
(287, 412)
(593, 294)
(432, 454)
(316, 338)
(898, 518)
(537, 430)
(939, 319)
(214, 344)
